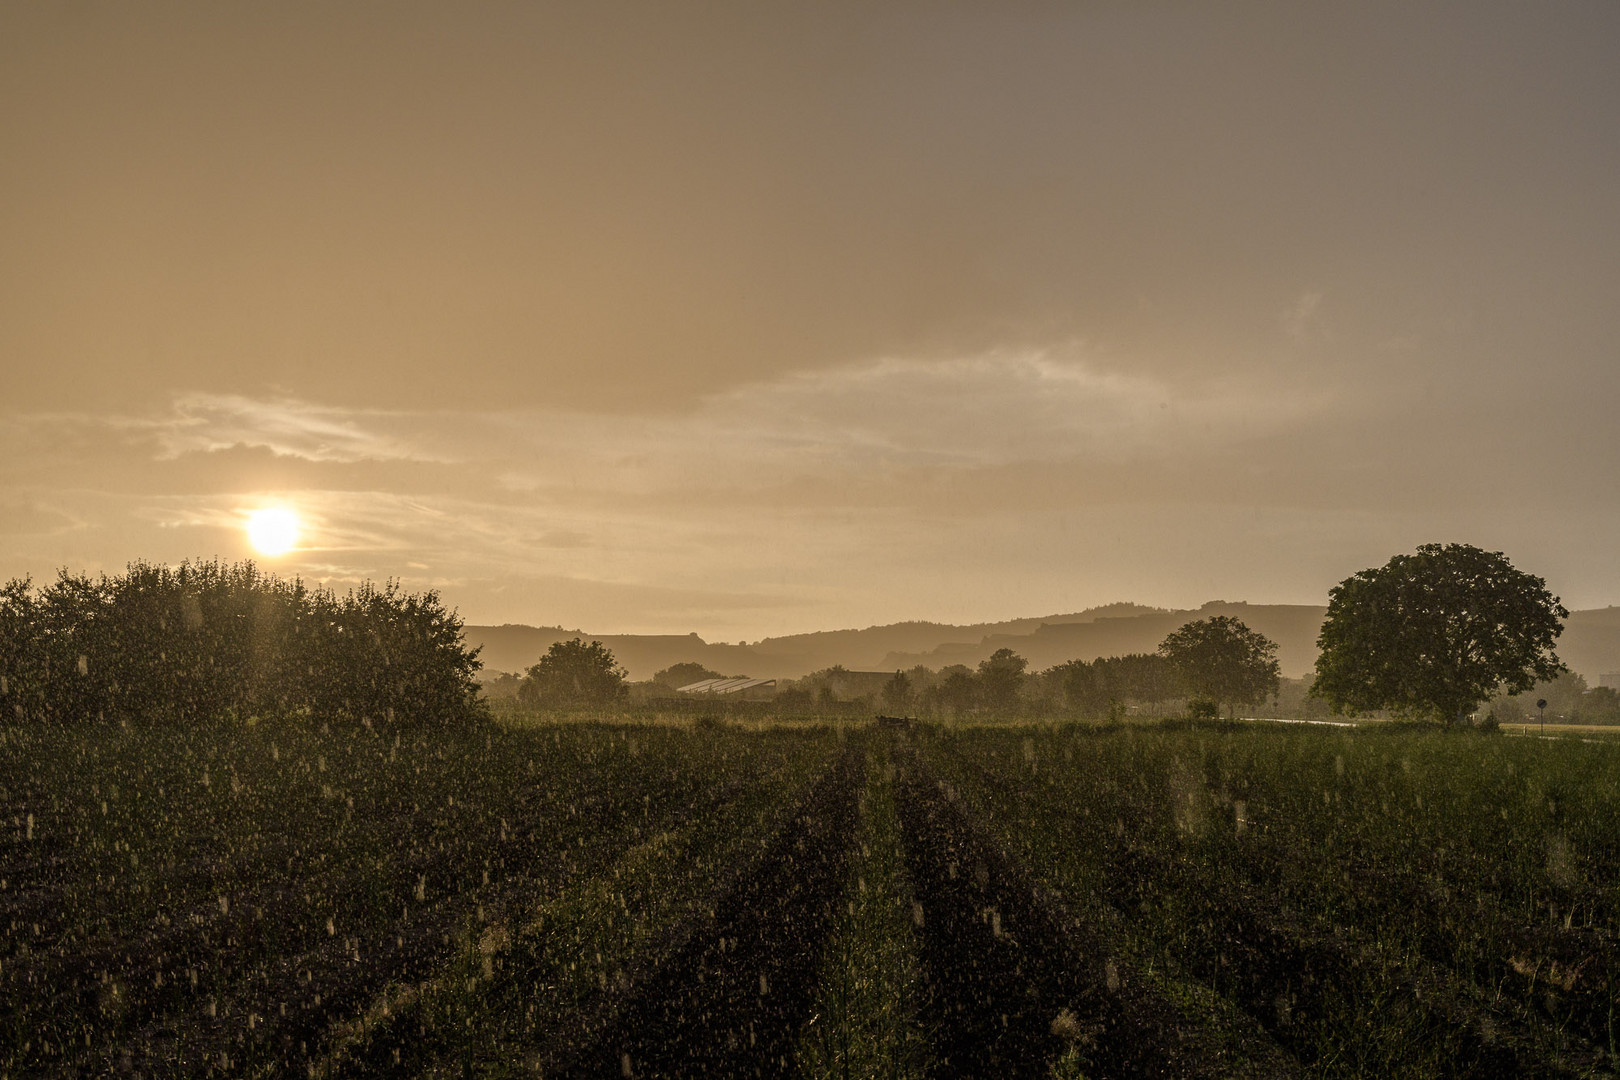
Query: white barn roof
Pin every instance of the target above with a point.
(723, 686)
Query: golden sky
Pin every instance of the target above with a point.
(744, 319)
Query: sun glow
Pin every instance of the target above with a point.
(273, 530)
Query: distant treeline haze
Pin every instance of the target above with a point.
(208, 641)
(1001, 684)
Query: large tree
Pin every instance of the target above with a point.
(1436, 633)
(1001, 677)
(957, 690)
(574, 673)
(1222, 660)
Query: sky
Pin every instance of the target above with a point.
(751, 319)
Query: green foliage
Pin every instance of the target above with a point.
(956, 692)
(1000, 679)
(574, 673)
(1088, 689)
(1203, 709)
(865, 1020)
(1224, 661)
(1569, 701)
(209, 641)
(685, 673)
(1272, 901)
(307, 899)
(1436, 633)
(1451, 899)
(897, 693)
(503, 687)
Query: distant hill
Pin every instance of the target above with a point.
(514, 647)
(1292, 626)
(1590, 643)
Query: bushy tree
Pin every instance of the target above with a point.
(1221, 660)
(21, 652)
(1090, 689)
(394, 648)
(1000, 678)
(956, 691)
(1436, 633)
(897, 693)
(574, 673)
(685, 673)
(210, 641)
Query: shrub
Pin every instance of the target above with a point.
(209, 641)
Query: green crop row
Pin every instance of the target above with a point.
(236, 898)
(1382, 902)
(865, 1020)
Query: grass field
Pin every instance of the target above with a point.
(587, 898)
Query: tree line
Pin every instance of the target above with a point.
(209, 641)
(1430, 635)
(1216, 663)
(1208, 664)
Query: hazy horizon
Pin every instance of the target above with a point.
(749, 322)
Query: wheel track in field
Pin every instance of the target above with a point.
(1003, 959)
(393, 1037)
(1269, 956)
(168, 1033)
(1586, 957)
(730, 1000)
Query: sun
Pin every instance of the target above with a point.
(273, 530)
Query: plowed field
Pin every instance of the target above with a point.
(818, 901)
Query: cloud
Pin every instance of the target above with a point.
(569, 489)
(995, 408)
(29, 517)
(881, 421)
(203, 423)
(899, 416)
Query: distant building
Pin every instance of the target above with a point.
(747, 689)
(1611, 680)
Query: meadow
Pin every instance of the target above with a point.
(583, 897)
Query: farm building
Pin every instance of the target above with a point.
(746, 689)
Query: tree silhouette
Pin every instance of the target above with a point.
(574, 673)
(1436, 633)
(207, 641)
(1000, 679)
(897, 693)
(1221, 660)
